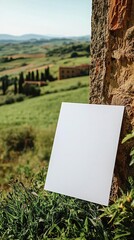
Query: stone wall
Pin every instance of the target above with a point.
(112, 68)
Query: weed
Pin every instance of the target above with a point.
(20, 98)
(30, 213)
(23, 152)
(9, 100)
(119, 217)
(17, 140)
(129, 137)
(27, 214)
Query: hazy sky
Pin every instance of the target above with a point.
(56, 17)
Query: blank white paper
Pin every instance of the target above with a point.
(84, 151)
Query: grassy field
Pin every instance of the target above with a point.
(24, 57)
(29, 212)
(43, 111)
(27, 132)
(38, 115)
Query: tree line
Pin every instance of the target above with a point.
(18, 82)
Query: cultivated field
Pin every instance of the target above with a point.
(24, 57)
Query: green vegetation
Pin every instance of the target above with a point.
(30, 56)
(27, 211)
(42, 65)
(27, 128)
(44, 110)
(79, 49)
(30, 213)
(39, 115)
(25, 150)
(127, 138)
(33, 215)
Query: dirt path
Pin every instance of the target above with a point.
(29, 67)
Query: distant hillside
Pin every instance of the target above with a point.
(37, 37)
(82, 38)
(25, 37)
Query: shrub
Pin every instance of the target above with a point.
(20, 98)
(118, 218)
(31, 90)
(51, 78)
(51, 91)
(2, 103)
(9, 100)
(74, 55)
(21, 140)
(18, 140)
(24, 64)
(73, 87)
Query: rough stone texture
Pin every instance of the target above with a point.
(112, 68)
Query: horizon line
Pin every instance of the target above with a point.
(55, 35)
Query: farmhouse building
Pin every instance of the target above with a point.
(37, 83)
(74, 71)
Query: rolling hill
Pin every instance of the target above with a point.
(37, 37)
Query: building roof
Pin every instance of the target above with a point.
(79, 66)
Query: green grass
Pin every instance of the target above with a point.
(33, 215)
(43, 111)
(13, 68)
(40, 114)
(30, 213)
(62, 85)
(19, 48)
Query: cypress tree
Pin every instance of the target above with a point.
(42, 76)
(21, 81)
(29, 76)
(15, 86)
(47, 73)
(32, 77)
(37, 75)
(4, 84)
